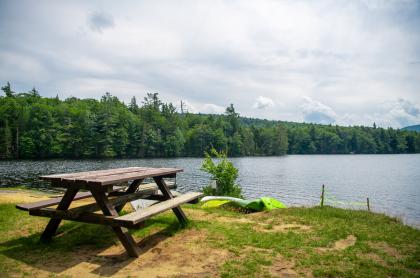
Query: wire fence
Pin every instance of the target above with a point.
(328, 198)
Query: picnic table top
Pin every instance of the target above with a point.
(110, 176)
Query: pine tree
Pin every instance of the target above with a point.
(7, 90)
(133, 107)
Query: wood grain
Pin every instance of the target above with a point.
(51, 202)
(108, 177)
(139, 216)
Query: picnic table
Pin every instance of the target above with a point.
(111, 189)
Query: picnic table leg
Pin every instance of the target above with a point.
(64, 204)
(131, 189)
(122, 233)
(168, 195)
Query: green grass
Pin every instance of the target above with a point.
(19, 188)
(24, 188)
(384, 247)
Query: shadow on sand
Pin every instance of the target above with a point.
(80, 243)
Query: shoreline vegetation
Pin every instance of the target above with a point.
(36, 127)
(253, 156)
(291, 242)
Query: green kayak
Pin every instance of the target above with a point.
(264, 203)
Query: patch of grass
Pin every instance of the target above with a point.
(254, 263)
(17, 187)
(384, 247)
(304, 248)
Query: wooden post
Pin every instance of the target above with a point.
(109, 210)
(322, 195)
(131, 189)
(368, 204)
(64, 204)
(168, 195)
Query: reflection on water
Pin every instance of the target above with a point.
(392, 182)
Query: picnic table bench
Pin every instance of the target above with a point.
(110, 197)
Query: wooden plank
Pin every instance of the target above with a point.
(64, 204)
(108, 177)
(160, 197)
(116, 202)
(168, 195)
(51, 202)
(117, 172)
(75, 174)
(112, 179)
(131, 189)
(122, 233)
(70, 176)
(146, 188)
(141, 174)
(86, 217)
(140, 216)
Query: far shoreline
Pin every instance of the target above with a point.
(200, 157)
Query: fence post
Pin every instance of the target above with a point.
(368, 204)
(322, 196)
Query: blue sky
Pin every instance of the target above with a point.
(339, 62)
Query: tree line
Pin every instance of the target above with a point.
(32, 126)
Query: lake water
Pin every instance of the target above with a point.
(392, 182)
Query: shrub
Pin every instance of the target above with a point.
(223, 172)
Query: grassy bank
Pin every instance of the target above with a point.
(309, 242)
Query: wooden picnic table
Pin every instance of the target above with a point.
(105, 186)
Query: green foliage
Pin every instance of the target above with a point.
(223, 172)
(7, 90)
(32, 126)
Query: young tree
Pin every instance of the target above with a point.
(223, 172)
(7, 90)
(233, 120)
(133, 107)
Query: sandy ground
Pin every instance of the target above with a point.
(183, 255)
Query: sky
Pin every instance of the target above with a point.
(331, 62)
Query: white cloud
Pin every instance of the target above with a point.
(211, 108)
(351, 55)
(396, 113)
(316, 112)
(263, 102)
(188, 107)
(29, 66)
(205, 108)
(402, 113)
(93, 87)
(89, 65)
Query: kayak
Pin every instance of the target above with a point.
(263, 203)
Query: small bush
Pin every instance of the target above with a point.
(223, 172)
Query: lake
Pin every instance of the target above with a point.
(392, 182)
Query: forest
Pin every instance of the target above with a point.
(35, 127)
